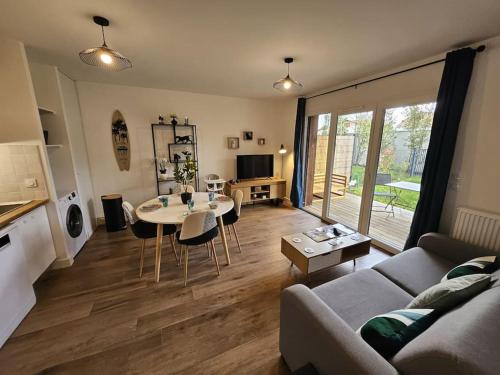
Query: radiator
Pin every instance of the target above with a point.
(477, 228)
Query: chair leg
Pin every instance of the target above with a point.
(229, 231)
(209, 253)
(186, 257)
(215, 256)
(236, 235)
(141, 261)
(181, 255)
(172, 243)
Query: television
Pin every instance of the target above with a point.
(254, 166)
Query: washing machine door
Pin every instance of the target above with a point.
(74, 221)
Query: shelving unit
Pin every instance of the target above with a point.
(165, 146)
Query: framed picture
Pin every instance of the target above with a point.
(233, 143)
(247, 136)
(261, 141)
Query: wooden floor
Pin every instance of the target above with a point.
(98, 317)
(392, 230)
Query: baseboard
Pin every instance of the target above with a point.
(61, 263)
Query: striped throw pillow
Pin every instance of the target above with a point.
(388, 333)
(486, 264)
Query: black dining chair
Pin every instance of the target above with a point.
(198, 228)
(145, 230)
(230, 218)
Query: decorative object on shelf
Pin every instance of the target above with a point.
(233, 143)
(173, 119)
(183, 139)
(282, 152)
(165, 169)
(261, 141)
(121, 144)
(104, 57)
(184, 176)
(186, 120)
(247, 136)
(161, 120)
(287, 84)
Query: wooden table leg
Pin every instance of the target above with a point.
(159, 238)
(223, 237)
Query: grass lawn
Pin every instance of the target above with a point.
(407, 199)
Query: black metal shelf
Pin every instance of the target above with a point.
(174, 128)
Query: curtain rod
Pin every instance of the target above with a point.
(481, 48)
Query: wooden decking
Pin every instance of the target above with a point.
(383, 226)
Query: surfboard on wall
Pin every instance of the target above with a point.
(121, 142)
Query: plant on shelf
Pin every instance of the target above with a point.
(163, 165)
(184, 175)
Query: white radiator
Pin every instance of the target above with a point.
(477, 228)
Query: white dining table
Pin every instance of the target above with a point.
(176, 212)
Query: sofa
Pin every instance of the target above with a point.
(318, 326)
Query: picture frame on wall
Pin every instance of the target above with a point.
(261, 141)
(247, 135)
(233, 143)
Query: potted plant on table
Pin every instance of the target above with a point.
(184, 175)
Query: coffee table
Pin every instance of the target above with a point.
(321, 255)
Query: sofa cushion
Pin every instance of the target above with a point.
(450, 293)
(486, 264)
(361, 295)
(388, 333)
(463, 341)
(415, 269)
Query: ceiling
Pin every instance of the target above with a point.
(235, 47)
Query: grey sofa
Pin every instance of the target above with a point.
(318, 326)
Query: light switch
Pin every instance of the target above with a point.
(30, 182)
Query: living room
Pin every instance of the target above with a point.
(164, 200)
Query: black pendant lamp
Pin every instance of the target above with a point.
(287, 84)
(104, 57)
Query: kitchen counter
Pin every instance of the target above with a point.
(10, 216)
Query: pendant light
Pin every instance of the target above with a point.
(287, 84)
(104, 57)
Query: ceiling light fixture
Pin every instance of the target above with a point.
(287, 84)
(104, 57)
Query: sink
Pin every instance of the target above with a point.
(7, 207)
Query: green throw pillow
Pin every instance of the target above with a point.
(486, 264)
(450, 293)
(389, 333)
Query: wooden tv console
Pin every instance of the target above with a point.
(258, 190)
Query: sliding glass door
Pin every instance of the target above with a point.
(352, 138)
(403, 148)
(365, 173)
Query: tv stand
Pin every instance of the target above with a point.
(258, 190)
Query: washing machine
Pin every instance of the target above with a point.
(72, 220)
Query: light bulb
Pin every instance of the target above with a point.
(106, 58)
(287, 84)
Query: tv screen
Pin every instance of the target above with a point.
(254, 166)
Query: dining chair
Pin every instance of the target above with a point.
(144, 230)
(198, 228)
(230, 218)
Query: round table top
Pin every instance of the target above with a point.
(176, 211)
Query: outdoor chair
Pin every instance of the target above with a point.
(382, 179)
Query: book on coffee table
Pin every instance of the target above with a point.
(328, 232)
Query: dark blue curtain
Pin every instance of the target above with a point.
(297, 192)
(450, 102)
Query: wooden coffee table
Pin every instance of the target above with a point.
(321, 255)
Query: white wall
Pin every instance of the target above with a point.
(217, 118)
(477, 153)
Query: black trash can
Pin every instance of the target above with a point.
(113, 212)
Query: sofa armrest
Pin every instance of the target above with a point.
(311, 332)
(455, 250)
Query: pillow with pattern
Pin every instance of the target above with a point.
(486, 264)
(389, 333)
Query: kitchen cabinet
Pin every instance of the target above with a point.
(16, 291)
(36, 238)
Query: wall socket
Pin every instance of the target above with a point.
(30, 182)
